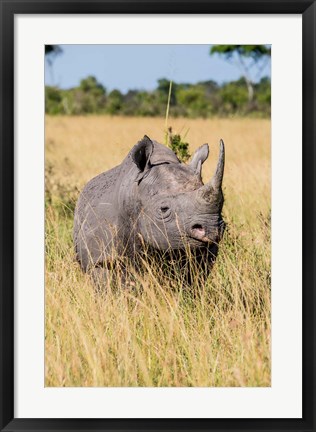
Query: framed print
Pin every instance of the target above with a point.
(157, 215)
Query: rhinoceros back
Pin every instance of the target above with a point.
(95, 219)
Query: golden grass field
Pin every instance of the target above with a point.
(160, 335)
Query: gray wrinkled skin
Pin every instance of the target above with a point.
(151, 201)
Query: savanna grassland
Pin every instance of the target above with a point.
(160, 335)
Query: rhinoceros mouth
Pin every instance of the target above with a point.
(204, 240)
(197, 232)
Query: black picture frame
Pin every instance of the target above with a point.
(8, 9)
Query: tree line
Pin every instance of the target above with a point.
(203, 99)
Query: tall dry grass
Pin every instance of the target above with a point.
(160, 335)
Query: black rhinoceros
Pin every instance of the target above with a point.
(153, 201)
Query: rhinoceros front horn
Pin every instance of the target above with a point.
(214, 186)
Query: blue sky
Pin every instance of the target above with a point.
(125, 67)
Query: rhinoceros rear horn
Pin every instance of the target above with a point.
(142, 152)
(214, 186)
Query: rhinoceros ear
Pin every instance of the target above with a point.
(199, 158)
(142, 152)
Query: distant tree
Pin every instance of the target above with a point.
(51, 51)
(90, 84)
(195, 101)
(53, 100)
(239, 54)
(203, 99)
(114, 102)
(90, 96)
(263, 94)
(209, 86)
(163, 91)
(234, 97)
(149, 105)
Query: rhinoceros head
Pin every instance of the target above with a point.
(176, 208)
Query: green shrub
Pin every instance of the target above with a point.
(180, 147)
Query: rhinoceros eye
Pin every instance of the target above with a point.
(164, 212)
(164, 209)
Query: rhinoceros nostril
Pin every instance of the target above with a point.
(197, 227)
(197, 231)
